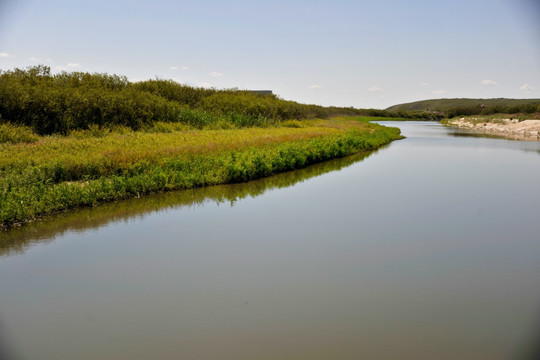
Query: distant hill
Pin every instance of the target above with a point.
(449, 104)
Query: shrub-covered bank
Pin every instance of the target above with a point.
(56, 173)
(60, 103)
(78, 139)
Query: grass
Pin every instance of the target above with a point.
(16, 134)
(55, 173)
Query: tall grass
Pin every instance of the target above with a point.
(57, 173)
(16, 134)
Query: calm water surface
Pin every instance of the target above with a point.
(426, 249)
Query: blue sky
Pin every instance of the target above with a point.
(340, 52)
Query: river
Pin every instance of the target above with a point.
(428, 248)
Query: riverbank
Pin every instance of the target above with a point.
(510, 128)
(48, 174)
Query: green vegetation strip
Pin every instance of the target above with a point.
(56, 173)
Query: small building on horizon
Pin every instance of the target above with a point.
(261, 92)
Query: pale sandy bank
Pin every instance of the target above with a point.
(514, 129)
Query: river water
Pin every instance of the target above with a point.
(428, 248)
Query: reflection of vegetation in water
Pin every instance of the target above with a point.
(476, 134)
(18, 239)
(460, 132)
(530, 348)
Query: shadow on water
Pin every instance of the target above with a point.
(17, 240)
(514, 142)
(531, 344)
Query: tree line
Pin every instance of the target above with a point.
(58, 103)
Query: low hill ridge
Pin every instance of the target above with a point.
(448, 104)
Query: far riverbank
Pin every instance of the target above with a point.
(511, 128)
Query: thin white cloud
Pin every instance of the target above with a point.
(5, 55)
(374, 89)
(527, 88)
(205, 85)
(488, 83)
(36, 59)
(68, 67)
(315, 86)
(423, 84)
(174, 68)
(184, 68)
(438, 92)
(215, 74)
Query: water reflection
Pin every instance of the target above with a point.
(456, 132)
(532, 348)
(433, 133)
(427, 251)
(17, 240)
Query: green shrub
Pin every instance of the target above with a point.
(16, 134)
(60, 103)
(292, 124)
(163, 127)
(173, 91)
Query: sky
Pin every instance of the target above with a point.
(364, 54)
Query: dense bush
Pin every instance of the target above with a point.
(60, 103)
(259, 106)
(238, 102)
(173, 91)
(16, 134)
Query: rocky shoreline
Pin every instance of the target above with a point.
(510, 128)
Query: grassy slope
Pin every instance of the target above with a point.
(447, 104)
(56, 173)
